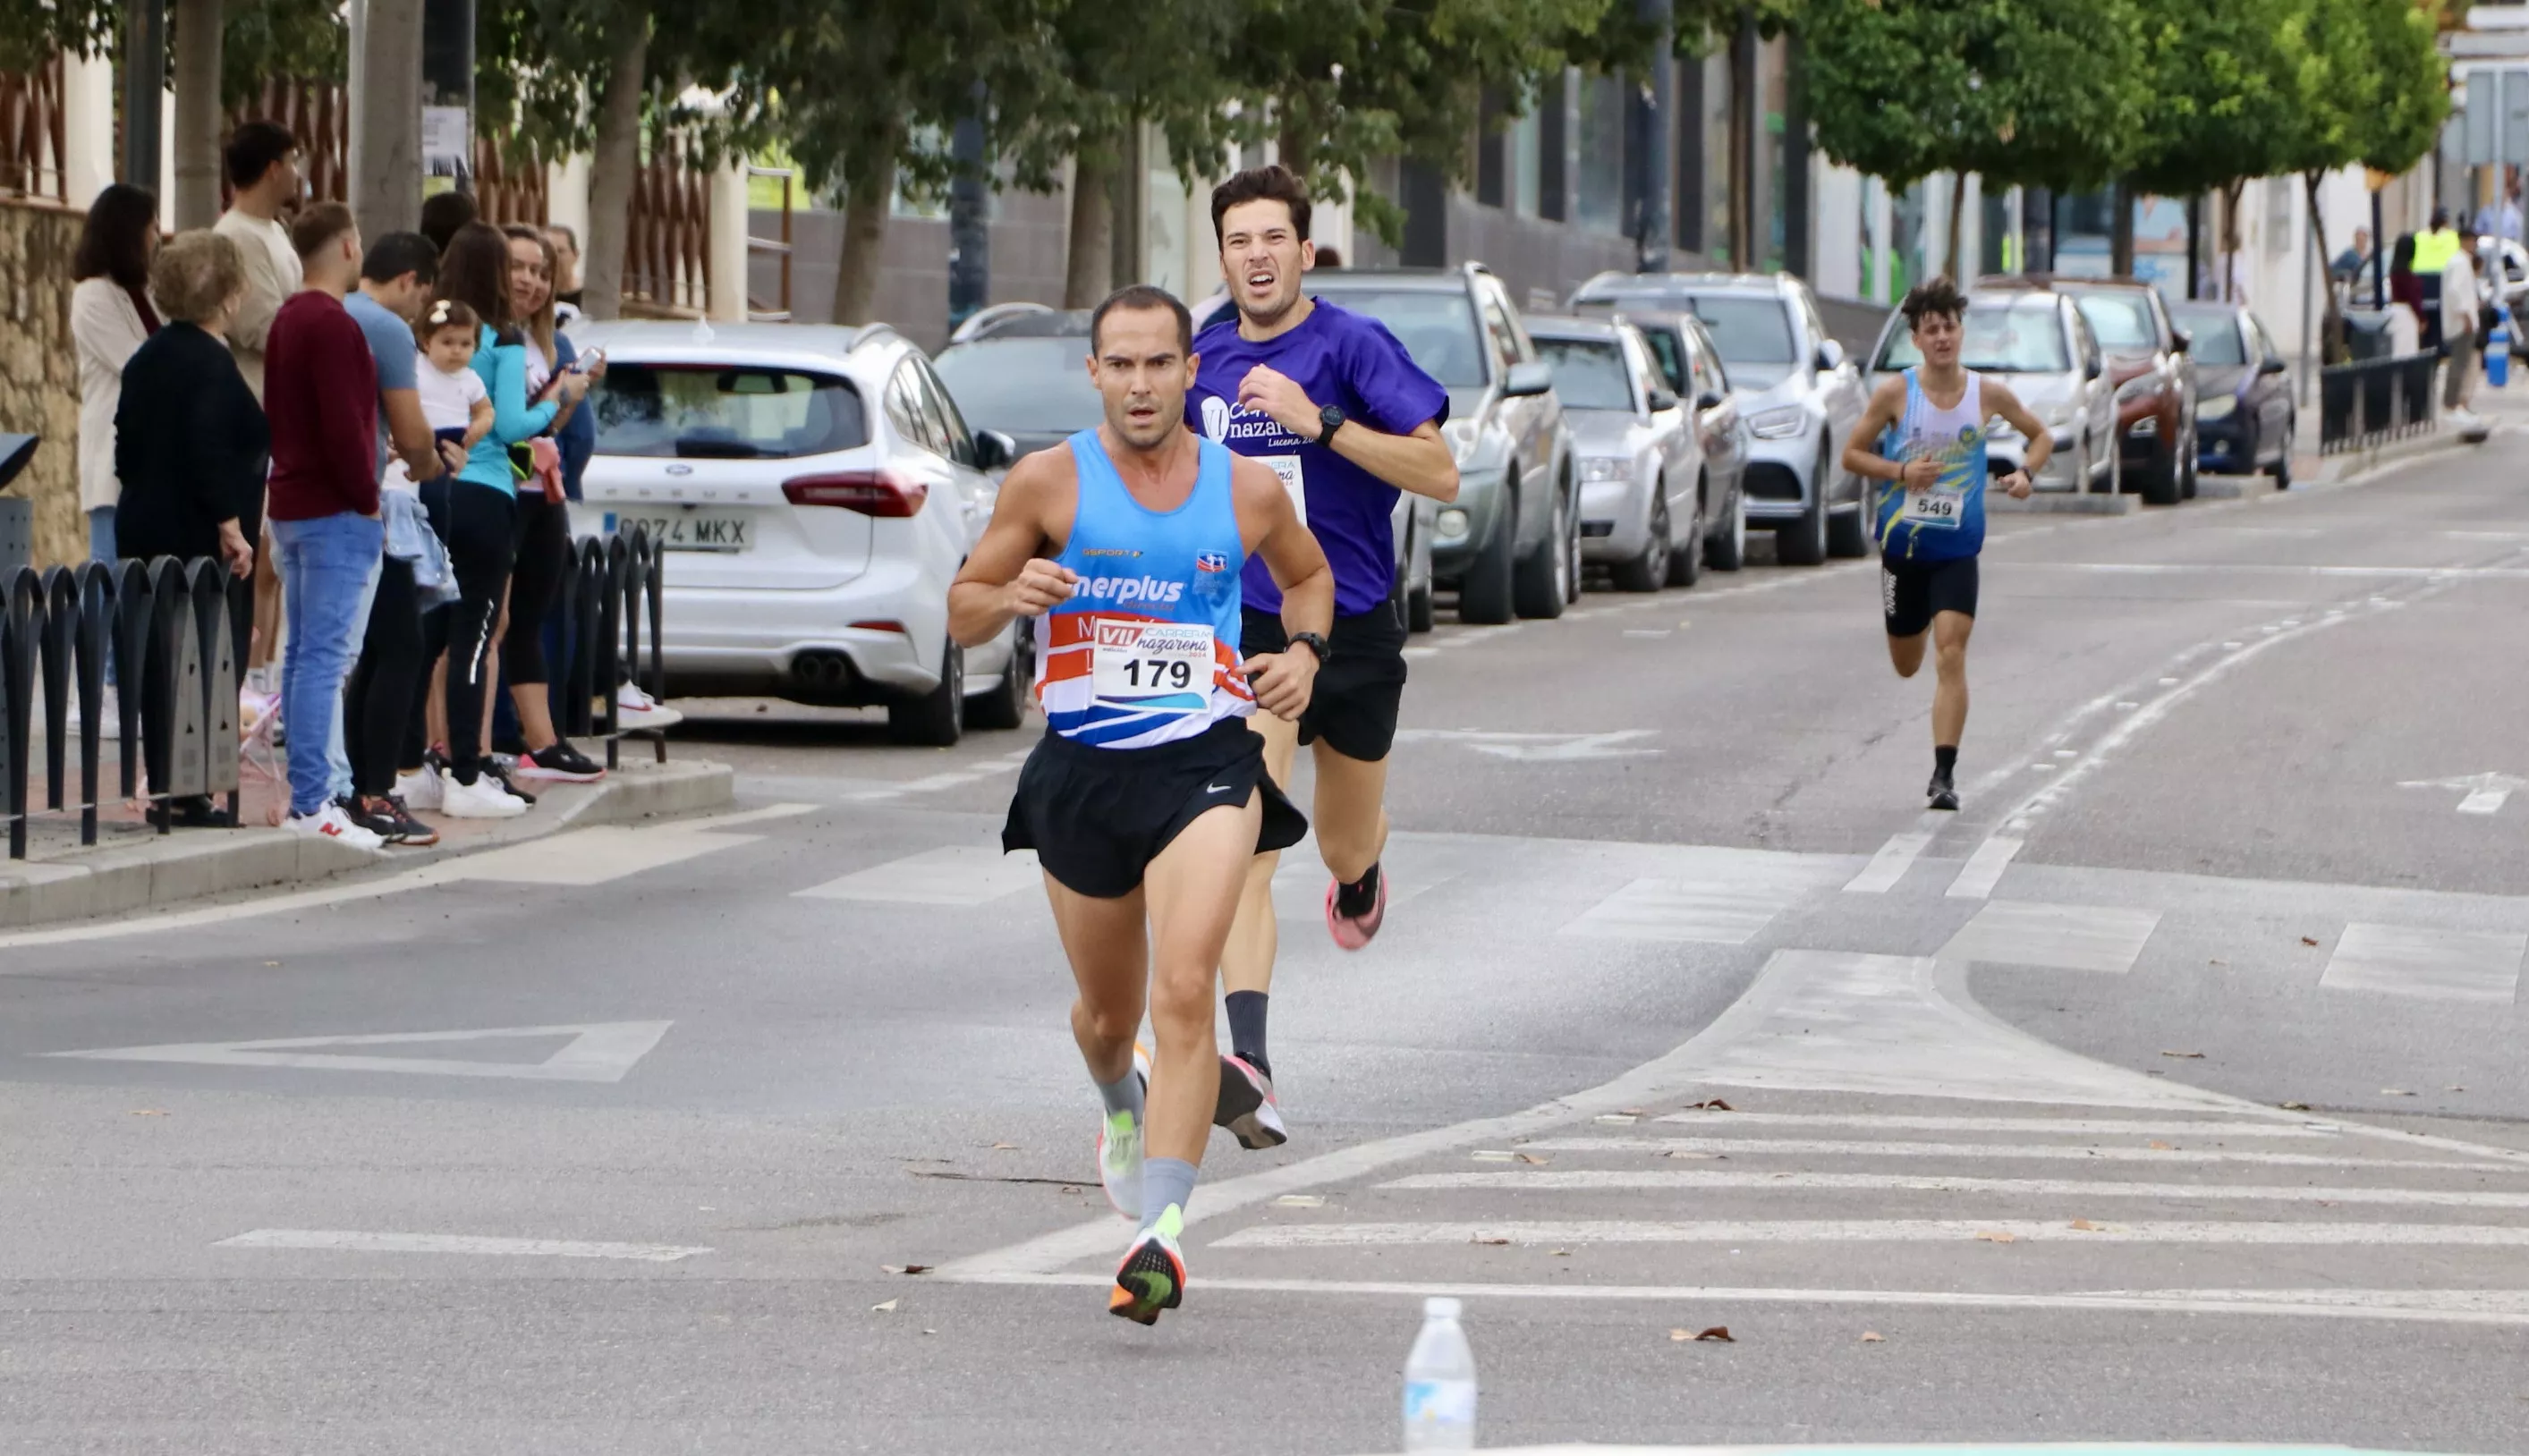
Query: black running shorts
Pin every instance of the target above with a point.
(1354, 701)
(1097, 817)
(1912, 593)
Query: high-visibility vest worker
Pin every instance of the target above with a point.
(2435, 248)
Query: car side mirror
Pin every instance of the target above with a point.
(1711, 399)
(1659, 400)
(995, 451)
(2092, 369)
(1521, 380)
(2181, 340)
(2272, 365)
(1830, 356)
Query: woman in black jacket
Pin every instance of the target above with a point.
(190, 439)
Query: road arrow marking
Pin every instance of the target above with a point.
(598, 1051)
(2485, 791)
(1538, 747)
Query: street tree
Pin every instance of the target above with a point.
(2223, 100)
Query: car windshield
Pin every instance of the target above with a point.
(713, 411)
(2215, 337)
(1669, 355)
(1588, 373)
(2022, 337)
(2122, 321)
(1437, 329)
(1022, 385)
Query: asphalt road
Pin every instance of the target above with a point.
(609, 1144)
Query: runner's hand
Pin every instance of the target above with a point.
(1920, 473)
(2017, 485)
(1276, 395)
(1282, 681)
(1041, 586)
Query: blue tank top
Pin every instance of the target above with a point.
(1146, 651)
(1946, 521)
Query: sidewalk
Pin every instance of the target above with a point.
(133, 867)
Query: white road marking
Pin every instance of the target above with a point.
(2484, 793)
(956, 875)
(1606, 1180)
(947, 779)
(1890, 863)
(1717, 913)
(2071, 1127)
(2449, 965)
(2002, 1151)
(2072, 937)
(1983, 869)
(1567, 1233)
(1532, 747)
(352, 1242)
(598, 1051)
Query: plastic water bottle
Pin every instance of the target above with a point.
(1440, 1384)
(2498, 347)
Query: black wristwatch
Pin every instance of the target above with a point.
(1314, 643)
(1329, 420)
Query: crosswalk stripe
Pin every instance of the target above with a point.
(2435, 964)
(1890, 863)
(1983, 869)
(1564, 1233)
(956, 875)
(1714, 912)
(1608, 1181)
(2140, 1127)
(2072, 937)
(2006, 1151)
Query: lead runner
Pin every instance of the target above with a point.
(1342, 413)
(1146, 799)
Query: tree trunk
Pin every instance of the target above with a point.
(1090, 261)
(385, 174)
(610, 168)
(2229, 249)
(2121, 228)
(1958, 212)
(197, 125)
(2330, 329)
(870, 197)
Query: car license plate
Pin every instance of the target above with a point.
(692, 532)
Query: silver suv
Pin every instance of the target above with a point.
(1511, 542)
(1797, 393)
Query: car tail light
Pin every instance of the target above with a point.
(877, 624)
(869, 492)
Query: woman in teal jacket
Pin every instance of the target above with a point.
(477, 517)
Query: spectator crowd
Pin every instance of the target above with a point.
(382, 436)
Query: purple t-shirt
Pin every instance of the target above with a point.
(1338, 357)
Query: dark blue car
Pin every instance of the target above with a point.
(2244, 412)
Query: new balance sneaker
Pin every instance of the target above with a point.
(561, 762)
(1354, 911)
(484, 798)
(393, 823)
(1247, 1108)
(422, 788)
(1151, 1276)
(330, 822)
(1120, 1148)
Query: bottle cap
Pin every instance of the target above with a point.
(1440, 1309)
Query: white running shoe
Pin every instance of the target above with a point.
(330, 822)
(421, 789)
(484, 798)
(1120, 1148)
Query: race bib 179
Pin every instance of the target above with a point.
(1134, 662)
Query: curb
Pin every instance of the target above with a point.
(2067, 503)
(196, 863)
(2337, 467)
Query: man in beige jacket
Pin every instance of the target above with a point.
(262, 160)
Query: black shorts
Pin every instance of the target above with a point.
(1354, 702)
(1097, 817)
(1912, 593)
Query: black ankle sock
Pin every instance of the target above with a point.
(1360, 896)
(1945, 761)
(1247, 1028)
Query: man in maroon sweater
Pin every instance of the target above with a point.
(320, 391)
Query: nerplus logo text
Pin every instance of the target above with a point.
(1122, 589)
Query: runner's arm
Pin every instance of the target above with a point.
(1998, 399)
(1887, 401)
(1283, 679)
(1004, 577)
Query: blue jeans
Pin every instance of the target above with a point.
(329, 566)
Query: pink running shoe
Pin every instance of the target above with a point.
(1352, 932)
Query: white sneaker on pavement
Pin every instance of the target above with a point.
(421, 789)
(330, 822)
(484, 798)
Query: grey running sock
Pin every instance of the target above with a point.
(1164, 1181)
(1123, 1095)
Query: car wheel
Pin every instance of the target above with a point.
(2161, 486)
(1005, 706)
(1418, 610)
(1485, 592)
(1571, 552)
(1660, 562)
(1803, 543)
(2283, 466)
(2186, 482)
(1542, 585)
(937, 717)
(1848, 536)
(1726, 550)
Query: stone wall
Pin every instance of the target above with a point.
(38, 377)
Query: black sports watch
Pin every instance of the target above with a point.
(1314, 643)
(1329, 420)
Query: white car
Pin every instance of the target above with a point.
(815, 491)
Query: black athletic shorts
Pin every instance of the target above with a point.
(1354, 702)
(1097, 817)
(1912, 593)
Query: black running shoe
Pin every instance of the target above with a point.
(1247, 1107)
(386, 816)
(1944, 793)
(563, 762)
(379, 824)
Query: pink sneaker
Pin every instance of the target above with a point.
(1352, 932)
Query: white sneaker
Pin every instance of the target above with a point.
(629, 698)
(635, 709)
(420, 789)
(330, 822)
(484, 798)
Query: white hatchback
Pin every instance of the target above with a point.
(815, 491)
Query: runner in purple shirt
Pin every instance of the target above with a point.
(1333, 403)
